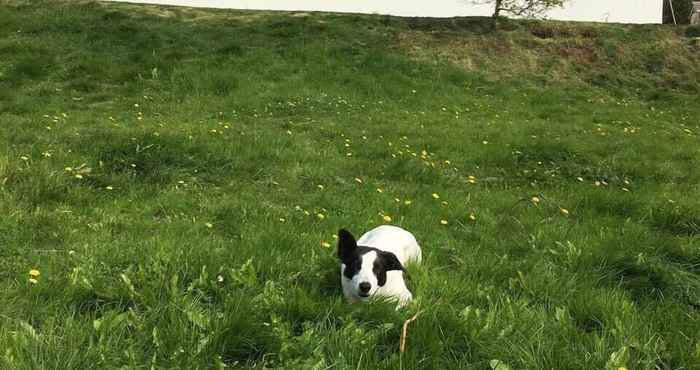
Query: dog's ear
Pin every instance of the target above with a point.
(391, 262)
(346, 245)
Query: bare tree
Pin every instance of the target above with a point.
(521, 8)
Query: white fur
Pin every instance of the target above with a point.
(390, 239)
(395, 240)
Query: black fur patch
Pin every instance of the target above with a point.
(351, 254)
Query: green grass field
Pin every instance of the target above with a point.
(176, 177)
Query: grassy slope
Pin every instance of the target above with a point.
(201, 139)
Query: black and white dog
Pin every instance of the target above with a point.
(374, 265)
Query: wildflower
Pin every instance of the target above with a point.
(379, 190)
(109, 187)
(436, 196)
(319, 186)
(407, 202)
(282, 219)
(580, 179)
(33, 281)
(208, 225)
(597, 183)
(34, 273)
(564, 211)
(386, 218)
(443, 222)
(78, 176)
(397, 200)
(220, 278)
(320, 216)
(24, 158)
(359, 181)
(472, 217)
(325, 244)
(535, 200)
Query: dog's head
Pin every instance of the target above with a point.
(363, 268)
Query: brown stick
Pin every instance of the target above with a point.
(404, 332)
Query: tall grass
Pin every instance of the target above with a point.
(177, 175)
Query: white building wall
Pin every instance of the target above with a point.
(622, 11)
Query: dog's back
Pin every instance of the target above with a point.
(395, 240)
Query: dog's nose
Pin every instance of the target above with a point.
(365, 287)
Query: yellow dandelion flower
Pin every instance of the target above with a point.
(472, 217)
(325, 244)
(535, 200)
(34, 273)
(33, 281)
(436, 196)
(443, 222)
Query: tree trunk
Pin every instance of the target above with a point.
(497, 10)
